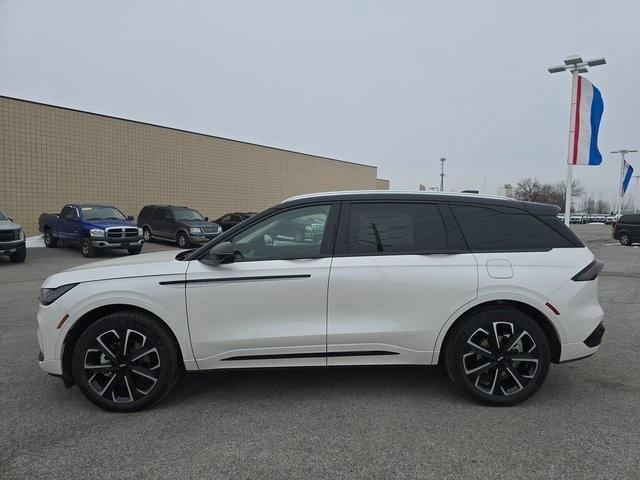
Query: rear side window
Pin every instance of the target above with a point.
(159, 213)
(395, 228)
(629, 219)
(491, 229)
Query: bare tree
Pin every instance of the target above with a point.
(532, 190)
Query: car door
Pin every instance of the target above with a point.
(69, 227)
(269, 306)
(634, 227)
(400, 270)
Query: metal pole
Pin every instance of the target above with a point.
(620, 193)
(442, 160)
(572, 126)
(635, 203)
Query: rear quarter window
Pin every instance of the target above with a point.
(494, 229)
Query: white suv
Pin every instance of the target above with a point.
(494, 289)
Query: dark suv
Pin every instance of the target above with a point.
(182, 225)
(627, 229)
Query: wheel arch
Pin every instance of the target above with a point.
(92, 316)
(538, 316)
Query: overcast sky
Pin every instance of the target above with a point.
(396, 84)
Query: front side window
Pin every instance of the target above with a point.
(186, 214)
(296, 233)
(395, 228)
(102, 213)
(69, 213)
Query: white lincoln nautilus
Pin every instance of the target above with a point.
(493, 289)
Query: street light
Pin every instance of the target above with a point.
(576, 65)
(622, 152)
(442, 160)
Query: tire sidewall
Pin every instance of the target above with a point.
(455, 347)
(156, 334)
(86, 249)
(625, 240)
(185, 240)
(146, 233)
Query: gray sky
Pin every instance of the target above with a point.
(397, 84)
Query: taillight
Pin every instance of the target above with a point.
(590, 272)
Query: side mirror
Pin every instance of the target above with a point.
(130, 218)
(222, 253)
(206, 219)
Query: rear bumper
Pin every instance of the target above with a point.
(584, 349)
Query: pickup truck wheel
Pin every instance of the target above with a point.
(19, 255)
(125, 362)
(87, 249)
(183, 240)
(49, 240)
(146, 233)
(134, 251)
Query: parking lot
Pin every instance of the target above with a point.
(383, 422)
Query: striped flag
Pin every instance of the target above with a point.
(627, 174)
(586, 111)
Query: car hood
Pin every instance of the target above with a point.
(145, 265)
(109, 223)
(8, 225)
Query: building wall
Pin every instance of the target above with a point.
(50, 156)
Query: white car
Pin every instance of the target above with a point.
(494, 289)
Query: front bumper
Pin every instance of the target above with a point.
(202, 238)
(101, 242)
(10, 247)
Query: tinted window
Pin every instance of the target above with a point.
(511, 229)
(226, 218)
(102, 213)
(629, 219)
(296, 233)
(186, 214)
(159, 213)
(395, 228)
(69, 213)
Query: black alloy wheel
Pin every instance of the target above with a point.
(125, 362)
(499, 356)
(49, 240)
(625, 239)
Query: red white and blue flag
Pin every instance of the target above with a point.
(586, 111)
(627, 174)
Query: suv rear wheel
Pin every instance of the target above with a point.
(625, 239)
(498, 356)
(125, 362)
(146, 233)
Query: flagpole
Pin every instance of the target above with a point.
(572, 126)
(620, 192)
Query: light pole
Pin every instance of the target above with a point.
(576, 66)
(622, 152)
(442, 160)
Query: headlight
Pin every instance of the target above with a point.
(195, 230)
(96, 232)
(50, 295)
(140, 232)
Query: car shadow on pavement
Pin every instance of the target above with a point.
(290, 384)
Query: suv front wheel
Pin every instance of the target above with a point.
(125, 362)
(625, 239)
(183, 240)
(498, 356)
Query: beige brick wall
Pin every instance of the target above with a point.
(50, 156)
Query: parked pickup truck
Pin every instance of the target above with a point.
(12, 241)
(93, 227)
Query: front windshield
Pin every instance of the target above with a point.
(102, 213)
(183, 214)
(3, 216)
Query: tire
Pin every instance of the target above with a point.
(182, 240)
(490, 375)
(146, 233)
(625, 239)
(134, 251)
(125, 362)
(19, 256)
(86, 248)
(49, 240)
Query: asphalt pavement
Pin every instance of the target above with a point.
(374, 422)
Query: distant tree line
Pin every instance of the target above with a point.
(533, 190)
